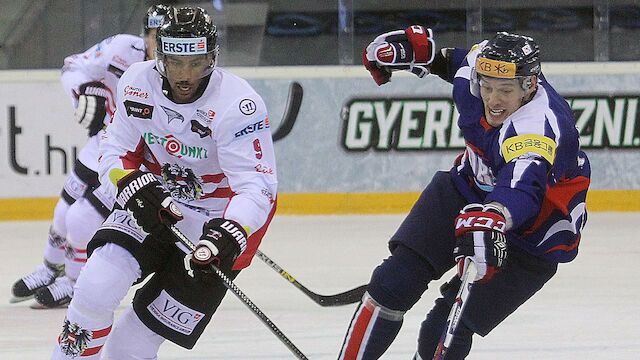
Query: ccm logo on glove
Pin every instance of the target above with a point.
(480, 221)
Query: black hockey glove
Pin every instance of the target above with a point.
(149, 203)
(92, 106)
(221, 243)
(480, 237)
(412, 49)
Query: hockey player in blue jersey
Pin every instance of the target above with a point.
(513, 203)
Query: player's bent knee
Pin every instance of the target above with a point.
(59, 223)
(82, 222)
(382, 311)
(400, 280)
(105, 279)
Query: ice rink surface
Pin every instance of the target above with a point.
(590, 310)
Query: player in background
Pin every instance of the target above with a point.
(90, 79)
(191, 146)
(513, 203)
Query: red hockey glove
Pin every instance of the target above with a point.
(412, 49)
(480, 236)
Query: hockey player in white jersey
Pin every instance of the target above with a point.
(189, 145)
(90, 79)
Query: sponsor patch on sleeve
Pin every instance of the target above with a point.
(139, 110)
(517, 146)
(257, 126)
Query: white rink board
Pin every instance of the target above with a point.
(44, 112)
(588, 311)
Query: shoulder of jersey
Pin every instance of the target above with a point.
(122, 40)
(128, 49)
(235, 84)
(474, 52)
(138, 75)
(535, 112)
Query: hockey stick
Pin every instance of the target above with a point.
(455, 314)
(291, 111)
(344, 298)
(245, 300)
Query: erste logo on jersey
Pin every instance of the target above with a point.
(183, 46)
(253, 128)
(139, 110)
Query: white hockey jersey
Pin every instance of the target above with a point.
(214, 155)
(105, 62)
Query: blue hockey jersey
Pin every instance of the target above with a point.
(532, 164)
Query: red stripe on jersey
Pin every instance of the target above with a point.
(558, 197)
(566, 248)
(214, 178)
(485, 124)
(133, 159)
(153, 167)
(219, 193)
(361, 323)
(91, 351)
(476, 150)
(254, 241)
(97, 334)
(81, 255)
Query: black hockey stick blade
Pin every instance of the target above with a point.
(291, 111)
(345, 298)
(229, 284)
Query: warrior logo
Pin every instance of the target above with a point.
(248, 106)
(74, 339)
(172, 115)
(181, 182)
